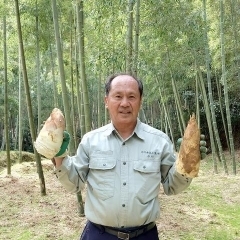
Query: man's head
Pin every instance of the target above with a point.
(109, 81)
(123, 99)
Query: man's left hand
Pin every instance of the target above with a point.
(203, 148)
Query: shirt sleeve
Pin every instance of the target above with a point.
(73, 172)
(172, 181)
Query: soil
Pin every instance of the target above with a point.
(25, 214)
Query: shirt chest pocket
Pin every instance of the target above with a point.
(147, 178)
(101, 177)
(147, 166)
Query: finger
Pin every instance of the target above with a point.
(203, 149)
(179, 141)
(202, 137)
(203, 155)
(66, 135)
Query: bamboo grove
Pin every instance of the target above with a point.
(59, 53)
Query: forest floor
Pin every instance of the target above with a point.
(208, 209)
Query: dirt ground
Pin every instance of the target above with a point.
(25, 214)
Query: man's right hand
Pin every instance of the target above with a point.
(63, 150)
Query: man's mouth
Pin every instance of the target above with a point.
(125, 112)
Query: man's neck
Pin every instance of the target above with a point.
(125, 131)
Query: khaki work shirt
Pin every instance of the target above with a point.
(123, 176)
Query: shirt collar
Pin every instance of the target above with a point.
(110, 129)
(138, 129)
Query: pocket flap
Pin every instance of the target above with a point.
(102, 163)
(147, 166)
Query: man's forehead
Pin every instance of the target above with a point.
(123, 80)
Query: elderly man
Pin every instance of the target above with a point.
(123, 163)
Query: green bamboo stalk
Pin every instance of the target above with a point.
(212, 110)
(226, 98)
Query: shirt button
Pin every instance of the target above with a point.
(104, 164)
(124, 184)
(124, 143)
(123, 205)
(124, 163)
(144, 167)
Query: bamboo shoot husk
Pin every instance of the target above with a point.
(50, 137)
(188, 160)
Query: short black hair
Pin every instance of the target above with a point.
(111, 77)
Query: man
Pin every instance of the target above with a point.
(123, 164)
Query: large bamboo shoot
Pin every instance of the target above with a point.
(188, 160)
(50, 138)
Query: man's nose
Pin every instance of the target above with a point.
(124, 101)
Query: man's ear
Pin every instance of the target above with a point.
(106, 102)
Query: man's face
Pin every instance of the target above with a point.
(123, 100)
